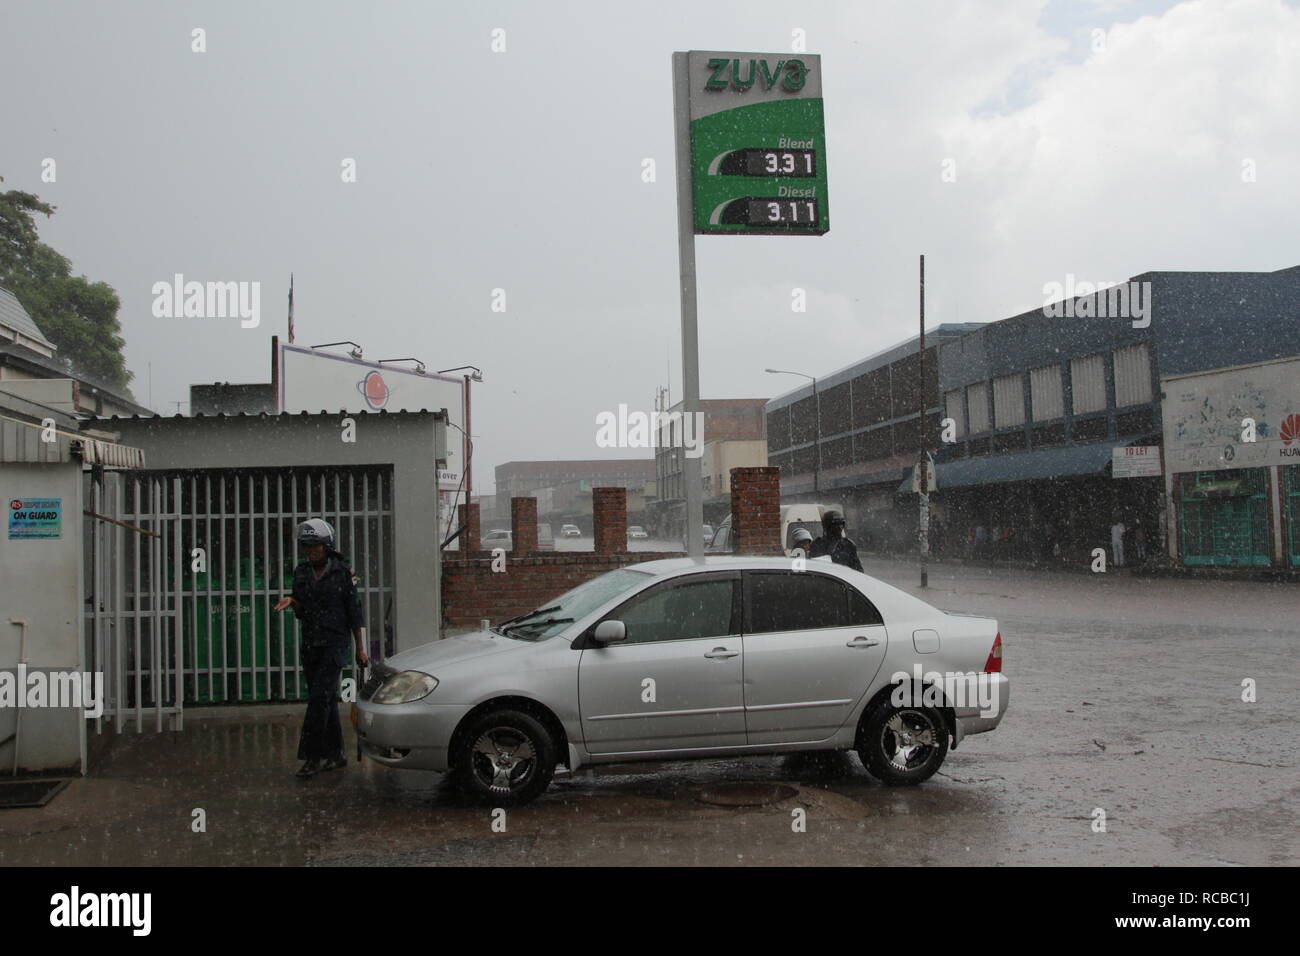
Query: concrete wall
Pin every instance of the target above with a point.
(404, 440)
(41, 581)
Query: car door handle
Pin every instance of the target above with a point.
(721, 653)
(862, 642)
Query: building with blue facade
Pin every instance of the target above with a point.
(1025, 415)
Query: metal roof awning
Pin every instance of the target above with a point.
(111, 455)
(1071, 461)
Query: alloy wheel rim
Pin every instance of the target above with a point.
(908, 739)
(504, 759)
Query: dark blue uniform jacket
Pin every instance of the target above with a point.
(328, 607)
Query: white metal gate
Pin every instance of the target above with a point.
(132, 583)
(187, 617)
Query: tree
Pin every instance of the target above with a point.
(78, 316)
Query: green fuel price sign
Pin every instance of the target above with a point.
(758, 144)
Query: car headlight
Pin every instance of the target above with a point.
(405, 687)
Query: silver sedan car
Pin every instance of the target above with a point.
(680, 659)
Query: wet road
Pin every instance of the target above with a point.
(1126, 697)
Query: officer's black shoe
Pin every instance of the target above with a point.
(309, 769)
(335, 763)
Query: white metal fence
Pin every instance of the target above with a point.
(184, 570)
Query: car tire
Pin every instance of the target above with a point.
(889, 747)
(505, 758)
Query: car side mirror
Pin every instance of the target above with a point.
(610, 632)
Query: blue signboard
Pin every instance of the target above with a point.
(35, 518)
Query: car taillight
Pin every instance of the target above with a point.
(994, 664)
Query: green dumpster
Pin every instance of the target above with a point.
(243, 637)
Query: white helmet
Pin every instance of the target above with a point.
(316, 531)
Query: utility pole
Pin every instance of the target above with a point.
(817, 442)
(923, 527)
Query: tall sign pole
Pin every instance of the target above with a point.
(691, 476)
(751, 160)
(922, 465)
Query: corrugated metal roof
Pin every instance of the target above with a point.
(223, 415)
(110, 454)
(13, 315)
(20, 443)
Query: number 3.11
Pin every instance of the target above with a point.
(774, 211)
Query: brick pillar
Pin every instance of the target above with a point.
(756, 511)
(471, 540)
(609, 519)
(523, 525)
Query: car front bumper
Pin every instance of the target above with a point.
(411, 736)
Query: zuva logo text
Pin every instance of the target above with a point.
(728, 73)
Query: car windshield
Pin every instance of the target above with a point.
(575, 605)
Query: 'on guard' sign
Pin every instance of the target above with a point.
(35, 518)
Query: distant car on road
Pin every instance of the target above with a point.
(749, 657)
(501, 538)
(636, 531)
(570, 531)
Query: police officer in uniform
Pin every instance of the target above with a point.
(833, 541)
(325, 601)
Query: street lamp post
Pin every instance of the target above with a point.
(817, 426)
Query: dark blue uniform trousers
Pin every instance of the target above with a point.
(322, 735)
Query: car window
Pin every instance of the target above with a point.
(679, 611)
(862, 611)
(798, 600)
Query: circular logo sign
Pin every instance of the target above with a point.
(375, 390)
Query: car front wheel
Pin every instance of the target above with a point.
(505, 758)
(903, 745)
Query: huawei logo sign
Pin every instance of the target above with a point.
(1290, 429)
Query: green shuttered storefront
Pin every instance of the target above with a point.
(1223, 517)
(1291, 512)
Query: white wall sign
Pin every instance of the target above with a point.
(313, 381)
(1205, 415)
(1138, 461)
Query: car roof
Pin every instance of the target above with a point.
(880, 592)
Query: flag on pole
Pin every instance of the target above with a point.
(290, 308)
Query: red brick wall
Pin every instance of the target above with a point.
(756, 510)
(523, 525)
(609, 518)
(471, 590)
(471, 539)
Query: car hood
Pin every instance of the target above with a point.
(437, 655)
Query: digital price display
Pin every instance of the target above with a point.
(771, 213)
(758, 144)
(799, 163)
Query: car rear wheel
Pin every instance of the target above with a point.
(903, 745)
(505, 758)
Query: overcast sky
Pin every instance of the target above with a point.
(1102, 154)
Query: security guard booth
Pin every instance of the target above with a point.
(234, 488)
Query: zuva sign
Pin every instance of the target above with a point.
(730, 74)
